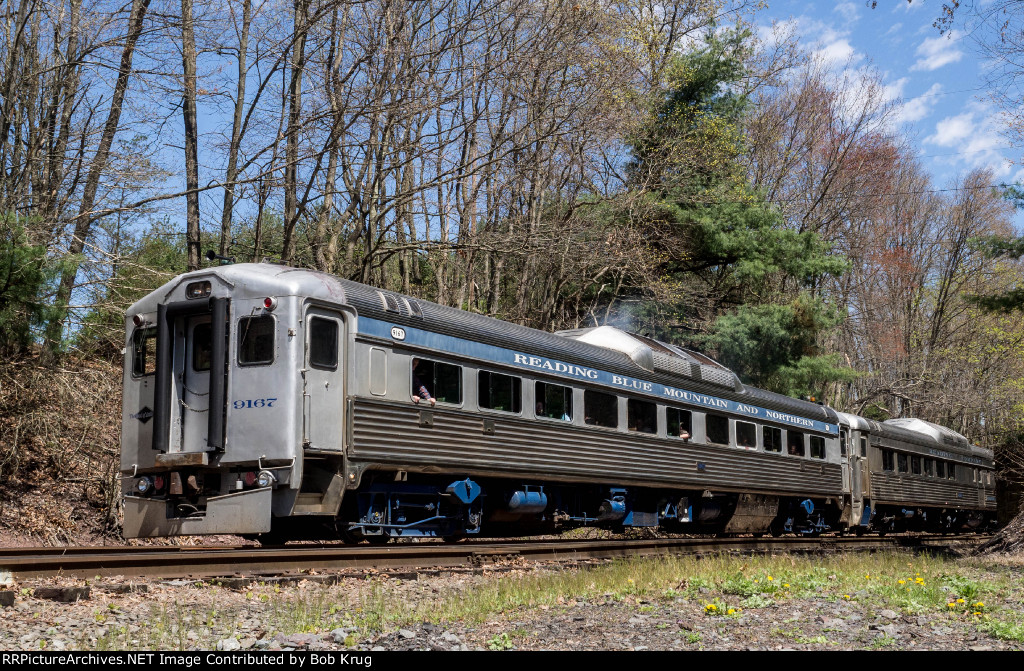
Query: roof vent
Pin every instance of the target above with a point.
(612, 338)
(389, 302)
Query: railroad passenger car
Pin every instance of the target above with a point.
(263, 399)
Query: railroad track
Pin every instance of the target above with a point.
(228, 561)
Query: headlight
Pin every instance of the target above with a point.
(265, 479)
(143, 485)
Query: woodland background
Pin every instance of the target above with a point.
(652, 165)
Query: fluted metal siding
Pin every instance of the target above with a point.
(389, 434)
(905, 490)
(895, 437)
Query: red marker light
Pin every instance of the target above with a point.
(269, 303)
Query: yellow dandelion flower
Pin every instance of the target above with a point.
(979, 605)
(901, 582)
(771, 578)
(785, 584)
(951, 604)
(977, 613)
(846, 596)
(730, 611)
(960, 601)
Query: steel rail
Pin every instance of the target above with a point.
(212, 561)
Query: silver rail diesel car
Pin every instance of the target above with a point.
(263, 399)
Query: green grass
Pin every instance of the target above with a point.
(908, 584)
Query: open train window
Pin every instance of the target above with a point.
(915, 465)
(929, 467)
(600, 409)
(746, 434)
(256, 340)
(901, 463)
(940, 469)
(772, 439)
(641, 416)
(817, 447)
(323, 343)
(679, 423)
(442, 381)
(888, 461)
(554, 401)
(144, 352)
(202, 340)
(500, 392)
(951, 471)
(795, 443)
(716, 428)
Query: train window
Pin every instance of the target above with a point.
(716, 428)
(679, 423)
(940, 469)
(817, 447)
(863, 446)
(144, 352)
(323, 343)
(772, 439)
(929, 467)
(842, 443)
(202, 339)
(901, 463)
(554, 401)
(500, 392)
(600, 409)
(256, 340)
(795, 443)
(441, 381)
(888, 461)
(915, 465)
(951, 471)
(746, 434)
(641, 416)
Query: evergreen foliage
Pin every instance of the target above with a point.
(26, 277)
(996, 247)
(746, 278)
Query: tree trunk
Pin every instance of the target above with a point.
(188, 108)
(83, 223)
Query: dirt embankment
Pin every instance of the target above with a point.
(60, 432)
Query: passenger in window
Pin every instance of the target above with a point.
(420, 390)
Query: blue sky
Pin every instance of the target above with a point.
(938, 79)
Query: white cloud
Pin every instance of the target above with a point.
(919, 107)
(836, 52)
(849, 10)
(935, 52)
(953, 130)
(976, 138)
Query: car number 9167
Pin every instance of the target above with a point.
(254, 403)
